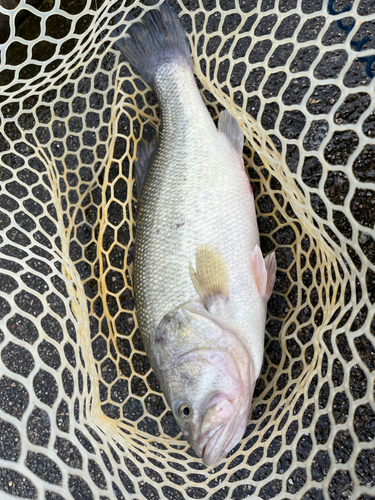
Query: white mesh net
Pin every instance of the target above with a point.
(81, 413)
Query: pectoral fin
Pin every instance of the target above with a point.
(264, 272)
(270, 263)
(211, 276)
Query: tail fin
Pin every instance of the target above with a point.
(158, 39)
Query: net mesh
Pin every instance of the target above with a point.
(81, 413)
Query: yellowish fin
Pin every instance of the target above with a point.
(211, 277)
(264, 271)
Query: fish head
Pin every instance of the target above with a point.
(214, 427)
(208, 384)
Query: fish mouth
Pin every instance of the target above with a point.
(221, 440)
(215, 444)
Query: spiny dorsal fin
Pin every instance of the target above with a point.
(146, 152)
(211, 277)
(264, 272)
(231, 128)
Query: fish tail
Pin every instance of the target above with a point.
(157, 40)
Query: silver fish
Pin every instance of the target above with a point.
(201, 283)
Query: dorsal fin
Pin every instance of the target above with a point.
(231, 128)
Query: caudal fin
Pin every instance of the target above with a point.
(158, 39)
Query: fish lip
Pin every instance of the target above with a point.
(202, 442)
(205, 437)
(216, 443)
(212, 454)
(201, 448)
(220, 441)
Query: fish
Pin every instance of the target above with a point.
(201, 284)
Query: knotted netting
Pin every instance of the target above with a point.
(81, 413)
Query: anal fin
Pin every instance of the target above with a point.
(211, 276)
(146, 152)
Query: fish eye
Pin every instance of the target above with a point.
(184, 410)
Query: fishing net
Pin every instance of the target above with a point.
(81, 413)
